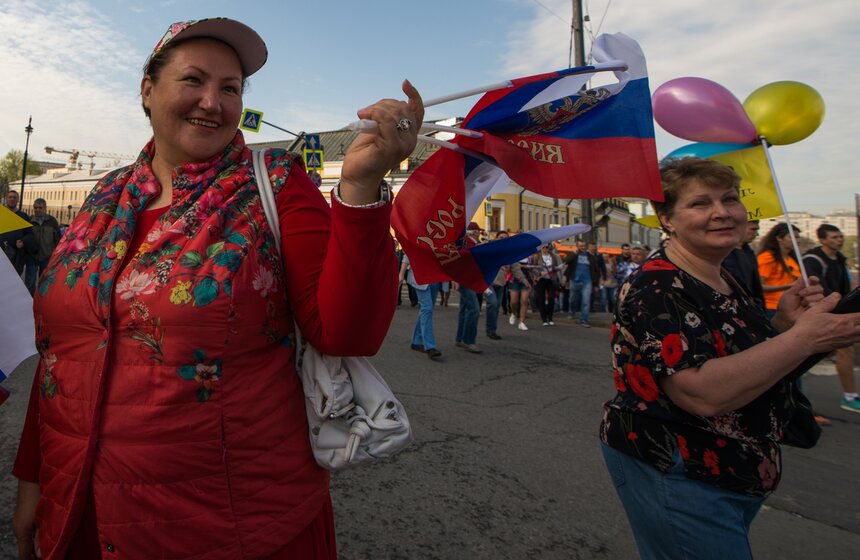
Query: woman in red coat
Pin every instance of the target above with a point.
(166, 418)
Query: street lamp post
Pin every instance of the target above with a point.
(28, 130)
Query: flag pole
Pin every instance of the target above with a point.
(456, 148)
(609, 65)
(785, 212)
(367, 125)
(468, 93)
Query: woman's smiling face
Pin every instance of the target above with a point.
(196, 102)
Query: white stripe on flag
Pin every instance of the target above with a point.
(563, 232)
(17, 329)
(484, 180)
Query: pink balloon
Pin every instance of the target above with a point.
(702, 111)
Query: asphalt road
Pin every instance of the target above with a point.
(506, 465)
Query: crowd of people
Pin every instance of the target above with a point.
(576, 283)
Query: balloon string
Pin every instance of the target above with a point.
(785, 212)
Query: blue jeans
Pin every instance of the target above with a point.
(673, 516)
(32, 272)
(422, 334)
(493, 299)
(467, 319)
(610, 294)
(580, 298)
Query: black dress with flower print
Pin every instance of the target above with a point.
(666, 321)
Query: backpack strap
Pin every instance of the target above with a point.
(820, 262)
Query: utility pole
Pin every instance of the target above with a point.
(578, 42)
(28, 130)
(578, 35)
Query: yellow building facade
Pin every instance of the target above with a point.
(64, 191)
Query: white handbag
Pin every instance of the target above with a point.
(353, 417)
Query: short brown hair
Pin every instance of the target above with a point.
(677, 173)
(824, 229)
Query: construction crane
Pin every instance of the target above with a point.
(73, 156)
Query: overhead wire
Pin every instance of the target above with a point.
(568, 24)
(542, 5)
(587, 26)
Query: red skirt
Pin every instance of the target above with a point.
(316, 542)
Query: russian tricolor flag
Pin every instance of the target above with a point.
(552, 137)
(557, 139)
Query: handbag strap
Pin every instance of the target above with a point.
(267, 197)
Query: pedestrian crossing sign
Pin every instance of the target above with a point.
(313, 159)
(251, 120)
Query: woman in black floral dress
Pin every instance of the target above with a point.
(691, 437)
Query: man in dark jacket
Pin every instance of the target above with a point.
(582, 275)
(828, 263)
(599, 299)
(17, 244)
(742, 264)
(46, 230)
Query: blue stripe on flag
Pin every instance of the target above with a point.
(491, 256)
(622, 114)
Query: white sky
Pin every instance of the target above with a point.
(75, 65)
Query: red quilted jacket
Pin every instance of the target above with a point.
(166, 379)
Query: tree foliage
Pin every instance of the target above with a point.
(10, 168)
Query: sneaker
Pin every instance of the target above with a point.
(546, 324)
(461, 344)
(586, 325)
(473, 348)
(493, 336)
(417, 347)
(853, 405)
(433, 353)
(822, 420)
(522, 326)
(551, 323)
(512, 319)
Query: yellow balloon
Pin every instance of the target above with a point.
(785, 112)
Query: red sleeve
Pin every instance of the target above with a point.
(340, 266)
(29, 458)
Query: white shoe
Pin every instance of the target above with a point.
(512, 319)
(551, 323)
(522, 326)
(546, 324)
